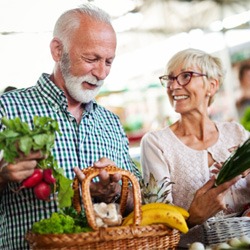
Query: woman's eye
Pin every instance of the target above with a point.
(186, 76)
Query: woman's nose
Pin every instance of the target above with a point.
(175, 85)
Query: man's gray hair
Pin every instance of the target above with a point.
(70, 20)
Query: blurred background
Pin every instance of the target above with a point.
(149, 33)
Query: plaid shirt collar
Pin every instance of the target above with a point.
(56, 96)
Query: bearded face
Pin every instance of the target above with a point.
(74, 84)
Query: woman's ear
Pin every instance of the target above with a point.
(56, 49)
(213, 87)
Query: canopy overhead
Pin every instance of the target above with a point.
(164, 16)
(174, 16)
(149, 32)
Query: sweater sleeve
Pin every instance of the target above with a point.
(153, 161)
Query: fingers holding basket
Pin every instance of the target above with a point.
(106, 187)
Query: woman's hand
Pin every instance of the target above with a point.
(217, 166)
(208, 201)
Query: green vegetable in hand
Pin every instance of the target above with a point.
(237, 163)
(18, 138)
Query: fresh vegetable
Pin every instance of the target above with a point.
(245, 119)
(223, 246)
(19, 138)
(32, 180)
(235, 243)
(245, 240)
(238, 162)
(197, 246)
(60, 223)
(42, 191)
(48, 176)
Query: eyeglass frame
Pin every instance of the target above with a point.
(173, 78)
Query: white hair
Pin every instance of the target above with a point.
(70, 20)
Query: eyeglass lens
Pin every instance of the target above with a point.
(184, 78)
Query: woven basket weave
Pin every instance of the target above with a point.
(136, 237)
(220, 230)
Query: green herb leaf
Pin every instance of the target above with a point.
(25, 144)
(66, 192)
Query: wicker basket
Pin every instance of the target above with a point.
(219, 230)
(157, 236)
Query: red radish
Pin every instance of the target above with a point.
(32, 180)
(42, 191)
(48, 176)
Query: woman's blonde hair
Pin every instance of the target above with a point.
(208, 64)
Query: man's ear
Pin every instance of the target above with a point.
(56, 49)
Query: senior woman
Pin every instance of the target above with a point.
(190, 151)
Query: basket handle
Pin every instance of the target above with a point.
(92, 172)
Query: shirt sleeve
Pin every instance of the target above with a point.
(153, 161)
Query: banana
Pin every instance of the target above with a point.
(155, 205)
(173, 207)
(170, 218)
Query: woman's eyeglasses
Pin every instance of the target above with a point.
(182, 79)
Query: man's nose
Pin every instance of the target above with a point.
(101, 70)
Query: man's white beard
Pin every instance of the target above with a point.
(74, 84)
(76, 90)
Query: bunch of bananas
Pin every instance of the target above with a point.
(160, 213)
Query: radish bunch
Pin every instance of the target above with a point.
(41, 182)
(18, 137)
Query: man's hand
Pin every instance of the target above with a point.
(20, 170)
(107, 189)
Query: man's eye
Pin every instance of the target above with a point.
(109, 63)
(90, 60)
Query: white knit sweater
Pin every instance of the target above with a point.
(164, 155)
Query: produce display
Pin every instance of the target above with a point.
(106, 220)
(18, 138)
(48, 182)
(234, 243)
(108, 215)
